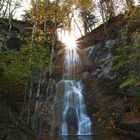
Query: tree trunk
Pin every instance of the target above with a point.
(104, 20)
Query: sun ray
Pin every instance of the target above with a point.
(70, 42)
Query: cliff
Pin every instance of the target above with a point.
(113, 109)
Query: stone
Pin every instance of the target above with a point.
(93, 51)
(104, 69)
(86, 75)
(101, 60)
(96, 71)
(110, 43)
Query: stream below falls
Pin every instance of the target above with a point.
(89, 137)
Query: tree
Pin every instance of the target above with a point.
(44, 16)
(107, 7)
(88, 19)
(1, 5)
(129, 3)
(8, 8)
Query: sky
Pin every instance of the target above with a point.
(25, 5)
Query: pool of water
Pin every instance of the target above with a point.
(91, 137)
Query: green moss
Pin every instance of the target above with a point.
(136, 93)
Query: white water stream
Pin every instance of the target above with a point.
(74, 109)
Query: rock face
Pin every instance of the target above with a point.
(102, 59)
(108, 105)
(98, 35)
(14, 38)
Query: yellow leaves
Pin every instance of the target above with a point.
(81, 4)
(65, 10)
(133, 15)
(84, 4)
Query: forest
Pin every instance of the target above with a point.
(69, 69)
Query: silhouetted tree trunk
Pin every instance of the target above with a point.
(6, 8)
(108, 9)
(101, 5)
(1, 5)
(78, 27)
(85, 22)
(30, 80)
(111, 9)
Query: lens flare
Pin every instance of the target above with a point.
(70, 42)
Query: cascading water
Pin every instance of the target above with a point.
(74, 110)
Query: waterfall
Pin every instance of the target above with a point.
(74, 117)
